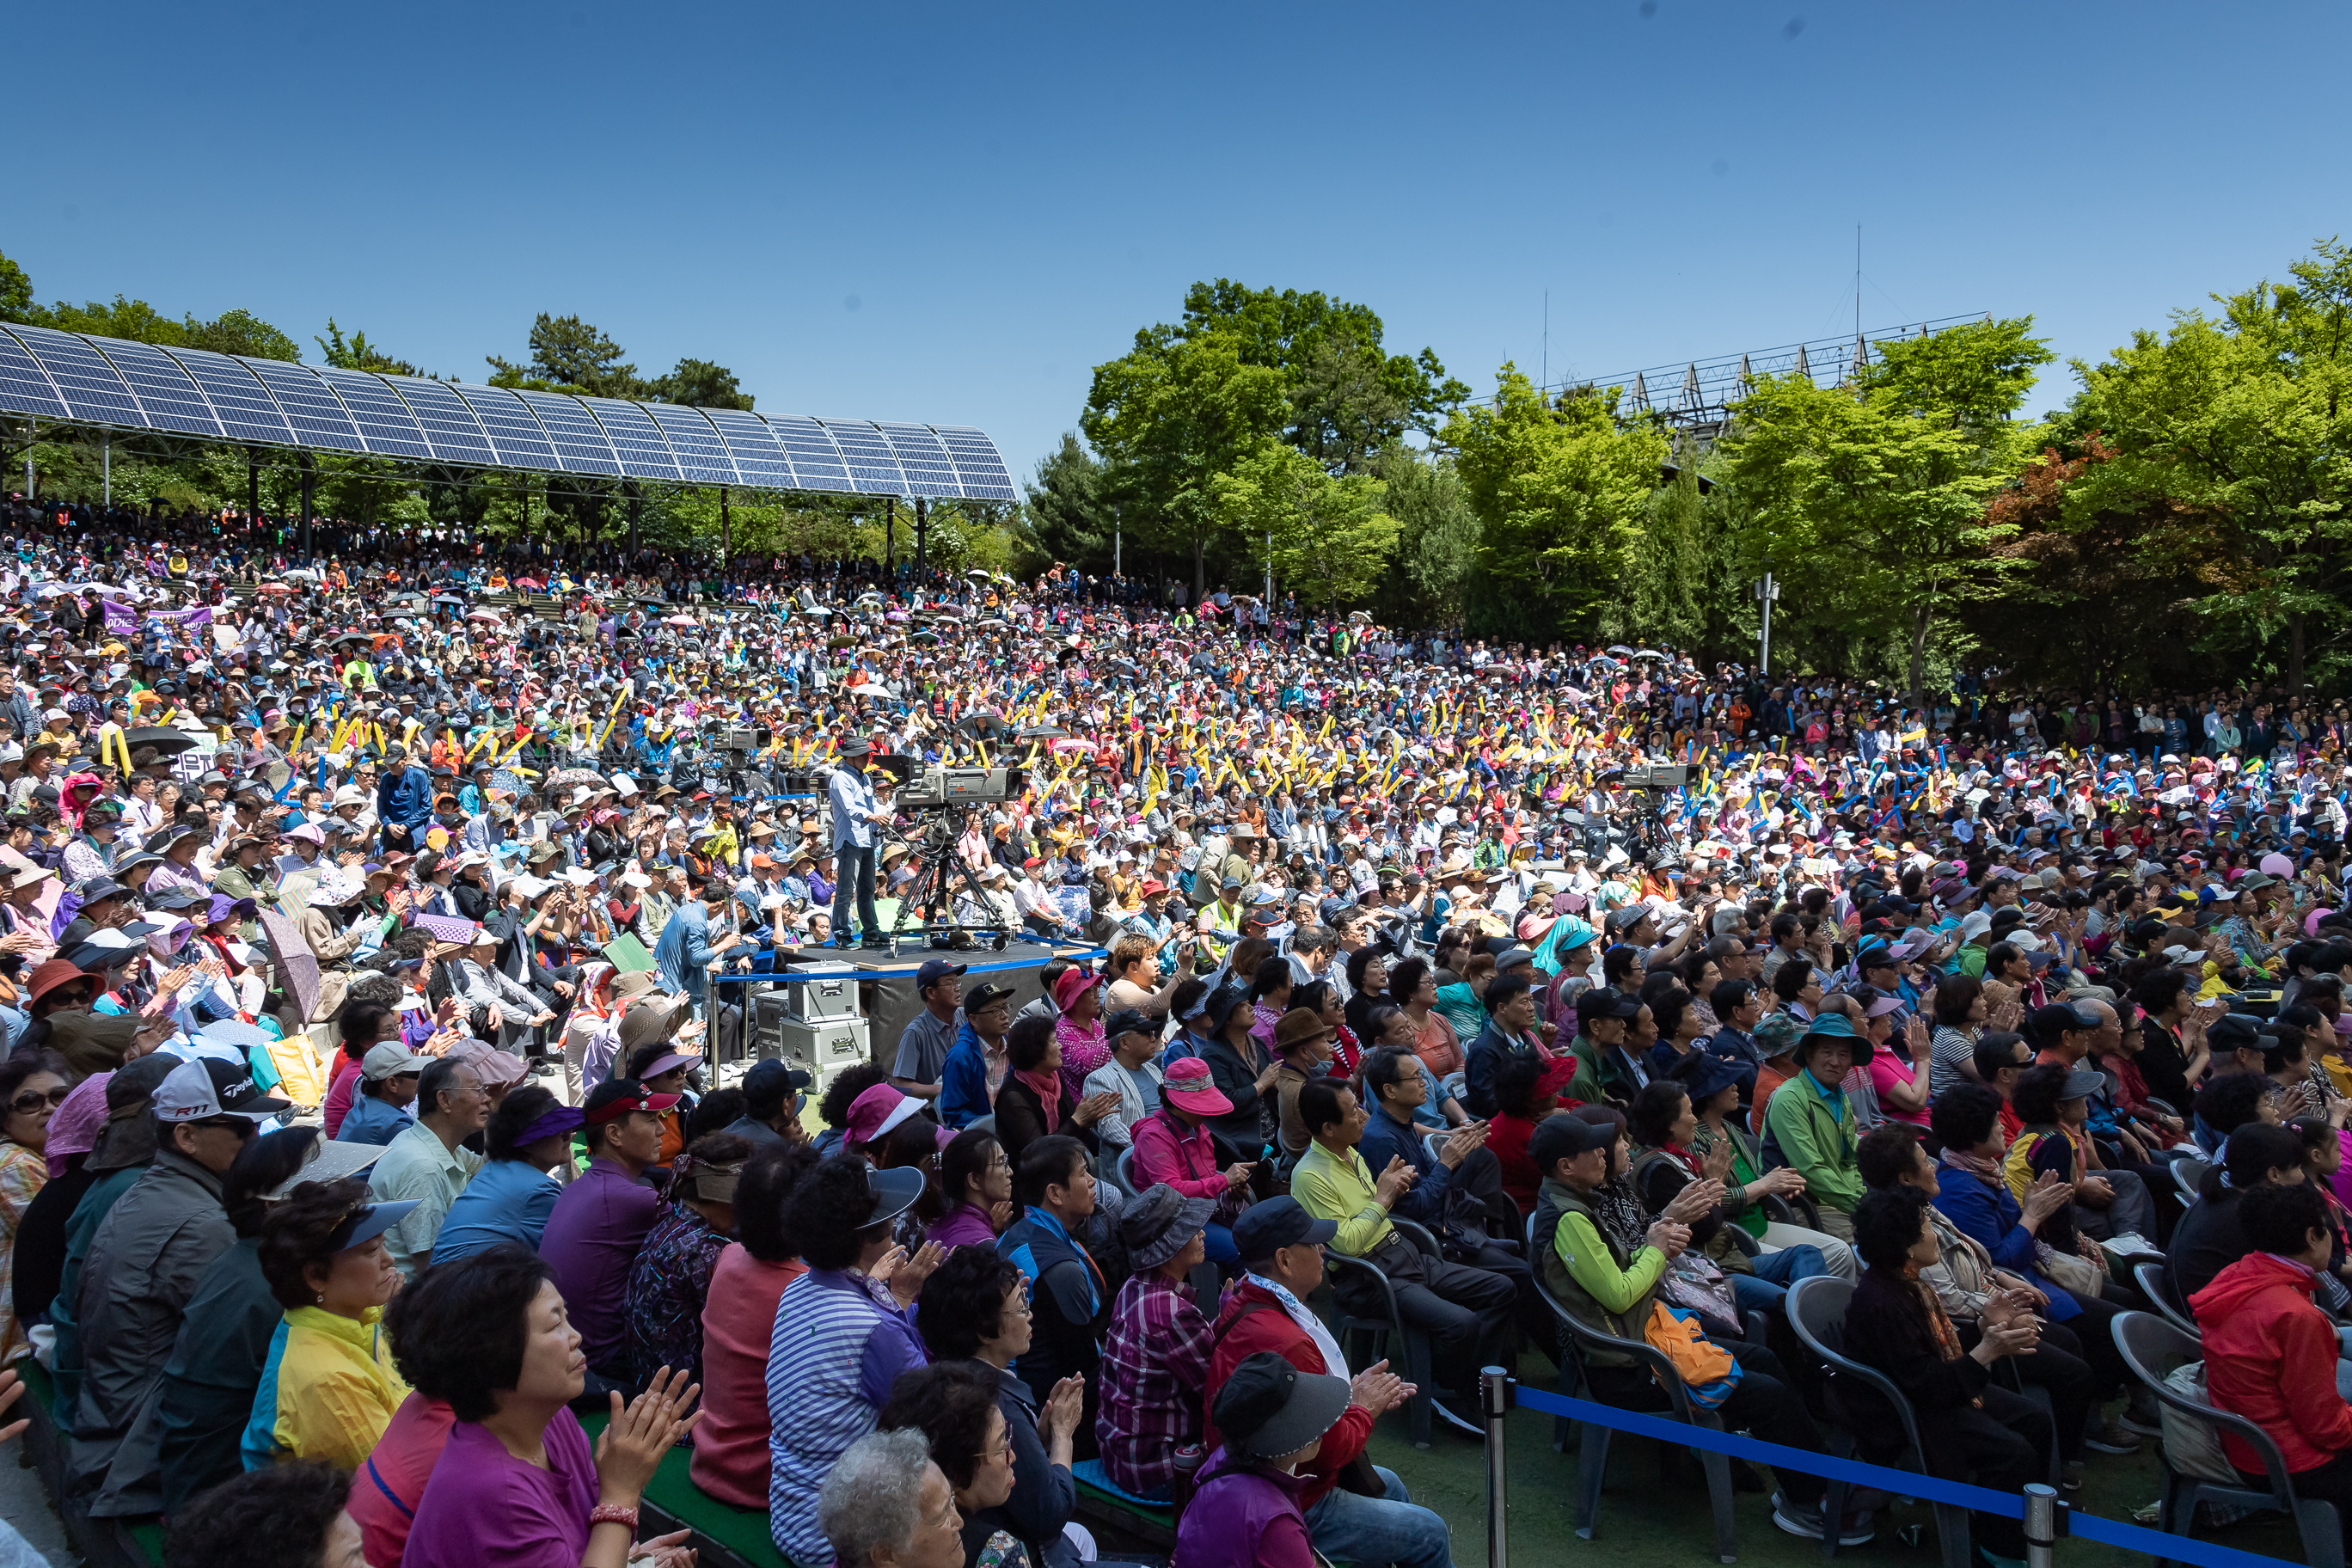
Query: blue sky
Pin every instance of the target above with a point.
(951, 214)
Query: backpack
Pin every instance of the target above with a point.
(1708, 1371)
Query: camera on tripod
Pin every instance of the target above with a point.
(936, 788)
(741, 737)
(1658, 776)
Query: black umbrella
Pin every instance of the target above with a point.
(161, 737)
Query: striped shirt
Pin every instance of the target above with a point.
(840, 1341)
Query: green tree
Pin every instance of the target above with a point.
(1869, 499)
(1066, 516)
(359, 353)
(1437, 538)
(239, 332)
(1349, 397)
(1168, 418)
(15, 293)
(1666, 573)
(567, 354)
(1327, 538)
(2243, 419)
(699, 384)
(1558, 489)
(133, 319)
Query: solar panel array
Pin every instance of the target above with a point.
(109, 381)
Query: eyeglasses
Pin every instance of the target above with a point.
(27, 1103)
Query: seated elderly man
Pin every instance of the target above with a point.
(1813, 1128)
(1463, 1310)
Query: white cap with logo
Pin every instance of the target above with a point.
(208, 1087)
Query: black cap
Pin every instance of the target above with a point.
(1558, 1137)
(2239, 1031)
(1265, 1228)
(1268, 1407)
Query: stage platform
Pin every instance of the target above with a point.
(885, 988)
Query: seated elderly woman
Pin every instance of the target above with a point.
(670, 1279)
(287, 1516)
(511, 1196)
(1155, 1365)
(517, 1484)
(976, 1180)
(974, 1312)
(1973, 1430)
(330, 1386)
(953, 1404)
(842, 1335)
(885, 1504)
(739, 1315)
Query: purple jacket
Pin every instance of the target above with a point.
(1252, 1518)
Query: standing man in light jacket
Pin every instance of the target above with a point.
(855, 816)
(144, 1263)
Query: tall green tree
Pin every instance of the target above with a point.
(1326, 537)
(240, 332)
(2244, 419)
(1667, 570)
(1559, 488)
(1868, 499)
(699, 384)
(1169, 418)
(15, 291)
(1437, 538)
(567, 354)
(1067, 517)
(358, 353)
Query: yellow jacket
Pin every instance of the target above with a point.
(1343, 1190)
(337, 1388)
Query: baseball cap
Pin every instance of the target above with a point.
(616, 1097)
(1558, 1137)
(876, 1111)
(1265, 1228)
(1267, 1407)
(208, 1087)
(390, 1060)
(984, 996)
(934, 970)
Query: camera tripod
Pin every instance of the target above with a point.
(938, 877)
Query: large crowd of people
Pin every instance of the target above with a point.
(383, 1177)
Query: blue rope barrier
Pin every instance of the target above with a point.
(1904, 1483)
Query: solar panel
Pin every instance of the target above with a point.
(579, 441)
(247, 410)
(456, 435)
(171, 402)
(816, 461)
(24, 386)
(873, 467)
(701, 455)
(637, 441)
(66, 377)
(384, 422)
(978, 464)
(318, 416)
(93, 390)
(921, 459)
(513, 429)
(758, 456)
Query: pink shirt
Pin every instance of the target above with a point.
(339, 1093)
(1887, 1073)
(739, 1319)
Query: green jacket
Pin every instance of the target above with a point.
(1819, 1139)
(1600, 1287)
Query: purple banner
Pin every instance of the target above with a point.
(122, 619)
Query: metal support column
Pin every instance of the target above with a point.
(725, 538)
(922, 533)
(252, 490)
(32, 434)
(309, 486)
(1495, 1402)
(1765, 591)
(890, 535)
(637, 513)
(106, 469)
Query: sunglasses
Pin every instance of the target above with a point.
(26, 1103)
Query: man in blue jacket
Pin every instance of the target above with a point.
(404, 799)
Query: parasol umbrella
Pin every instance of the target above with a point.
(161, 737)
(896, 618)
(686, 621)
(926, 639)
(575, 778)
(457, 600)
(979, 571)
(1071, 744)
(297, 967)
(273, 588)
(1041, 732)
(1647, 653)
(490, 616)
(351, 637)
(869, 597)
(1621, 650)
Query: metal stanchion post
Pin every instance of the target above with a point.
(2045, 1521)
(1495, 1400)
